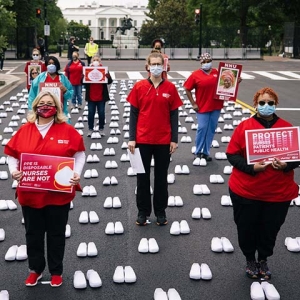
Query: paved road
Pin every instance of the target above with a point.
(170, 267)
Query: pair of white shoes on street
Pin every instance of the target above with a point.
(258, 291)
(111, 164)
(89, 190)
(93, 173)
(183, 170)
(175, 201)
(197, 213)
(216, 179)
(124, 274)
(109, 152)
(202, 271)
(16, 253)
(96, 146)
(114, 228)
(293, 245)
(146, 246)
(110, 181)
(8, 204)
(85, 249)
(226, 200)
(201, 189)
(86, 217)
(200, 162)
(180, 228)
(112, 202)
(172, 294)
(221, 244)
(92, 158)
(80, 281)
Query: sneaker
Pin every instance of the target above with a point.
(33, 279)
(206, 157)
(102, 132)
(251, 269)
(141, 220)
(90, 133)
(56, 280)
(263, 269)
(161, 220)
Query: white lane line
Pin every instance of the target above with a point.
(270, 75)
(185, 74)
(135, 75)
(247, 76)
(286, 108)
(291, 74)
(112, 75)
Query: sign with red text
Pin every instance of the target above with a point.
(95, 74)
(54, 88)
(44, 172)
(267, 144)
(227, 84)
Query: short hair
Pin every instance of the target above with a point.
(55, 60)
(72, 38)
(59, 118)
(36, 50)
(155, 55)
(76, 52)
(96, 56)
(265, 90)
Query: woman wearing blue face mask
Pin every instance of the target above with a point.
(54, 81)
(204, 81)
(260, 193)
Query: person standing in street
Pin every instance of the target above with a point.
(90, 49)
(72, 47)
(74, 72)
(2, 57)
(153, 129)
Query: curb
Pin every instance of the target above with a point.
(9, 84)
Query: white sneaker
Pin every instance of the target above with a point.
(92, 249)
(116, 202)
(84, 217)
(21, 253)
(82, 250)
(196, 214)
(270, 291)
(108, 203)
(226, 244)
(143, 246)
(173, 294)
(119, 275)
(195, 272)
(2, 234)
(93, 217)
(256, 291)
(175, 228)
(79, 280)
(184, 227)
(153, 246)
(160, 294)
(93, 191)
(119, 229)
(113, 180)
(205, 272)
(216, 245)
(110, 228)
(93, 278)
(68, 231)
(171, 201)
(178, 201)
(129, 275)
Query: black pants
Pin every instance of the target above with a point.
(89, 58)
(52, 220)
(161, 154)
(258, 223)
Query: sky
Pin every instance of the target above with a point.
(76, 3)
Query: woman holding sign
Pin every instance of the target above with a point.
(45, 210)
(261, 192)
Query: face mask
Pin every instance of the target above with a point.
(37, 57)
(75, 57)
(156, 70)
(46, 111)
(157, 48)
(206, 66)
(96, 63)
(266, 110)
(51, 69)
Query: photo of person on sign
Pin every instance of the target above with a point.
(227, 82)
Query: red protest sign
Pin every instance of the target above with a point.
(270, 143)
(227, 84)
(44, 172)
(95, 74)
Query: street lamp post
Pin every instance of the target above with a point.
(270, 41)
(198, 19)
(46, 28)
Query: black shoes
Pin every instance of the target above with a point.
(252, 269)
(141, 220)
(205, 156)
(161, 220)
(263, 269)
(255, 270)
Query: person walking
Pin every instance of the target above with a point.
(153, 128)
(261, 193)
(35, 65)
(72, 47)
(2, 57)
(52, 75)
(45, 211)
(208, 109)
(97, 95)
(90, 49)
(74, 72)
(41, 46)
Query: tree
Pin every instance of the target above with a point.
(79, 31)
(7, 21)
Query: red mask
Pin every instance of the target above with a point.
(46, 111)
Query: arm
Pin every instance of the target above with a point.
(191, 99)
(240, 163)
(79, 162)
(174, 130)
(134, 112)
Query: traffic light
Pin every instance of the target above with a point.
(38, 13)
(197, 16)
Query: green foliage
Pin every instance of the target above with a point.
(7, 21)
(81, 32)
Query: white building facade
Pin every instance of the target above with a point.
(103, 20)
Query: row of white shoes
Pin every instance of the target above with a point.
(86, 217)
(181, 227)
(202, 271)
(90, 173)
(292, 244)
(92, 276)
(89, 190)
(4, 295)
(175, 201)
(85, 249)
(221, 244)
(92, 158)
(182, 169)
(111, 164)
(110, 181)
(112, 202)
(16, 252)
(216, 178)
(172, 294)
(8, 204)
(263, 290)
(197, 213)
(201, 189)
(148, 245)
(114, 228)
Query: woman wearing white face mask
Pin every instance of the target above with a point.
(52, 75)
(34, 62)
(208, 109)
(154, 130)
(261, 193)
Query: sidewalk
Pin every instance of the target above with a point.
(7, 82)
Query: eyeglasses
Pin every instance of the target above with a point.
(35, 55)
(33, 73)
(155, 64)
(263, 102)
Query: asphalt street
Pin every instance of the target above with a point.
(170, 267)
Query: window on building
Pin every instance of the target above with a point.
(102, 35)
(135, 22)
(80, 21)
(102, 23)
(112, 23)
(89, 22)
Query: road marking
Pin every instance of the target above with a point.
(291, 74)
(112, 75)
(247, 76)
(185, 74)
(135, 75)
(270, 75)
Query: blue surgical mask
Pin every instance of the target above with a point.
(156, 70)
(206, 66)
(266, 110)
(51, 69)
